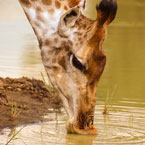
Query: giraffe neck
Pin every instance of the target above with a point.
(48, 19)
(44, 15)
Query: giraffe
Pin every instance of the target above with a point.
(71, 50)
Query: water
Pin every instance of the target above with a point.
(125, 69)
(19, 52)
(125, 125)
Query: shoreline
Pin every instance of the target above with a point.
(24, 101)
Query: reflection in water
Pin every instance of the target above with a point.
(20, 55)
(79, 140)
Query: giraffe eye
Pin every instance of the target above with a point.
(77, 64)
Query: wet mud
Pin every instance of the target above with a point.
(24, 101)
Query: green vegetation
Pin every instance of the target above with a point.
(13, 135)
(48, 87)
(109, 102)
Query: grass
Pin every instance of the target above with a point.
(48, 87)
(13, 135)
(109, 102)
(14, 111)
(131, 121)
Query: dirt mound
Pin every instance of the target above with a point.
(25, 100)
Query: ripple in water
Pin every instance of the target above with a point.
(124, 125)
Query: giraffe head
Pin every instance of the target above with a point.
(71, 50)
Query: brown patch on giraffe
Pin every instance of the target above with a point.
(79, 38)
(57, 51)
(80, 29)
(26, 3)
(42, 52)
(37, 24)
(56, 40)
(65, 7)
(47, 42)
(39, 9)
(40, 43)
(77, 44)
(70, 43)
(84, 26)
(85, 35)
(47, 2)
(40, 18)
(65, 45)
(62, 62)
(95, 67)
(79, 33)
(81, 42)
(73, 3)
(51, 11)
(57, 4)
(88, 27)
(53, 60)
(67, 48)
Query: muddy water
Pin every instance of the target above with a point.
(125, 69)
(19, 52)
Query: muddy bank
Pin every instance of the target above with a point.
(25, 100)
